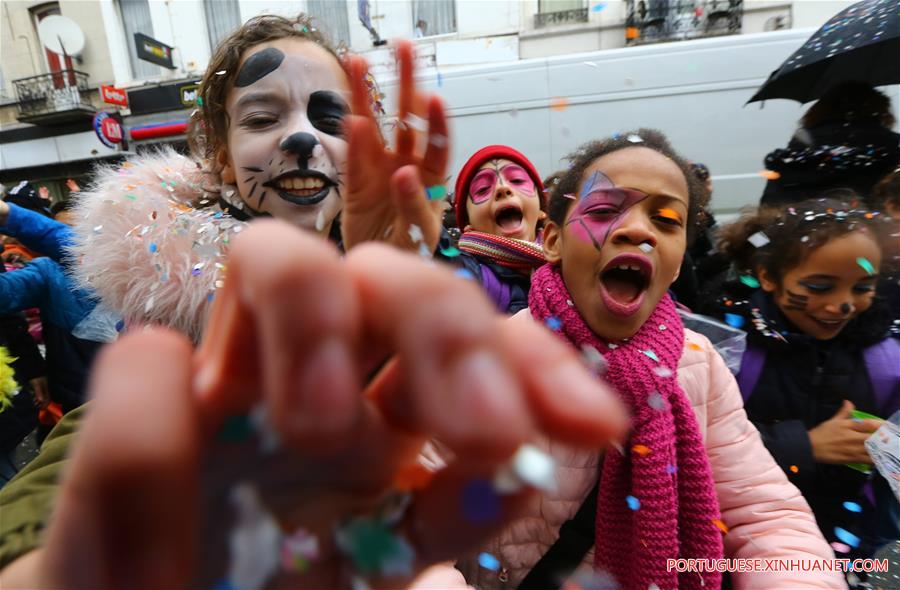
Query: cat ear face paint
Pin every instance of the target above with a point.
(484, 184)
(258, 66)
(796, 302)
(600, 207)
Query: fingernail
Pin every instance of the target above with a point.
(324, 399)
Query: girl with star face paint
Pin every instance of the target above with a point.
(619, 219)
(819, 352)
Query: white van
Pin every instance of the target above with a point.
(694, 91)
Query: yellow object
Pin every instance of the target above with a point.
(8, 385)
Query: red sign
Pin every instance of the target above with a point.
(108, 130)
(113, 95)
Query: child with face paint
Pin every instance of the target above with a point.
(500, 208)
(680, 486)
(819, 352)
(280, 116)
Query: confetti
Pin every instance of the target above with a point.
(320, 220)
(569, 196)
(759, 239)
(720, 525)
(663, 372)
(642, 450)
(866, 265)
(440, 80)
(734, 320)
(416, 122)
(633, 503)
(593, 359)
(671, 469)
(794, 469)
(770, 174)
(464, 273)
(655, 400)
(120, 325)
(299, 550)
(598, 7)
(415, 233)
(488, 562)
(200, 101)
(646, 248)
(413, 477)
(840, 547)
(694, 346)
(651, 355)
(153, 248)
(633, 138)
(374, 548)
(450, 251)
(221, 73)
(554, 323)
(750, 281)
(652, 587)
(436, 192)
(480, 502)
(852, 506)
(149, 305)
(97, 229)
(846, 536)
(559, 103)
(438, 140)
(530, 466)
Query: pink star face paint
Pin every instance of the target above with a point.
(484, 184)
(600, 207)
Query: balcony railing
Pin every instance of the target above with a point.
(562, 17)
(651, 21)
(58, 97)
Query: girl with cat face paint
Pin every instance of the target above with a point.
(820, 360)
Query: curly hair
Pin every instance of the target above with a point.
(850, 102)
(698, 196)
(209, 123)
(791, 233)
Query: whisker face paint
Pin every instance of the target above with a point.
(796, 302)
(600, 208)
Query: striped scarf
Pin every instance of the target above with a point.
(509, 252)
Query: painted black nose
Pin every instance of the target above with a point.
(301, 145)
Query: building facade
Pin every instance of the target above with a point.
(49, 101)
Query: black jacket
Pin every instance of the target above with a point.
(803, 383)
(832, 156)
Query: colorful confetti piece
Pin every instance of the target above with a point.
(770, 174)
(794, 469)
(734, 320)
(852, 506)
(642, 450)
(413, 477)
(846, 536)
(655, 400)
(598, 7)
(450, 252)
(865, 265)
(651, 355)
(559, 103)
(645, 247)
(759, 239)
(436, 192)
(720, 525)
(633, 503)
(488, 562)
(663, 372)
(464, 273)
(671, 469)
(635, 138)
(480, 502)
(554, 323)
(750, 281)
(694, 346)
(153, 248)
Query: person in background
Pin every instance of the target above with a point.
(845, 141)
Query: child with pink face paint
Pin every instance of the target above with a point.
(499, 207)
(679, 487)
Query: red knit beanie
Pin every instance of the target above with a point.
(491, 152)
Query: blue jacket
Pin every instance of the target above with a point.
(64, 309)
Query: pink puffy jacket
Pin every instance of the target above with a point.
(766, 516)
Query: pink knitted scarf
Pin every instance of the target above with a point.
(658, 501)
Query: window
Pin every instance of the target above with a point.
(560, 12)
(222, 17)
(434, 17)
(545, 6)
(331, 17)
(55, 62)
(136, 19)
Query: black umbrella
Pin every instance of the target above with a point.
(859, 44)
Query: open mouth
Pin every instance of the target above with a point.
(829, 325)
(509, 219)
(624, 282)
(301, 187)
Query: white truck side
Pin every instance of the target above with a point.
(694, 91)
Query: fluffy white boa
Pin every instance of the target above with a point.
(148, 243)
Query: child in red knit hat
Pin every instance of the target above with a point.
(499, 202)
(680, 488)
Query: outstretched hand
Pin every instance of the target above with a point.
(381, 204)
(296, 330)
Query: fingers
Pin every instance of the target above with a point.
(866, 426)
(129, 499)
(437, 152)
(414, 208)
(357, 70)
(455, 382)
(291, 289)
(845, 410)
(406, 135)
(363, 141)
